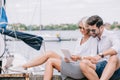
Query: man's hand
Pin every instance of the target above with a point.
(95, 59)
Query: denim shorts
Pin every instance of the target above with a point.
(100, 67)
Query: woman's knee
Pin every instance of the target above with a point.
(50, 53)
(50, 61)
(54, 62)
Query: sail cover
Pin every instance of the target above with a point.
(3, 18)
(31, 40)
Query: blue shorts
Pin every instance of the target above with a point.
(100, 67)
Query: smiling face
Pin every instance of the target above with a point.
(94, 31)
(95, 24)
(83, 29)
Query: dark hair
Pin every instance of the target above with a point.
(95, 19)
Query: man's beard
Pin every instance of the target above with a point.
(94, 35)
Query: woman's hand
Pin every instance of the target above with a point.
(75, 57)
(66, 60)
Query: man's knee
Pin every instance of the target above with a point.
(113, 59)
(83, 65)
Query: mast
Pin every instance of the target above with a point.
(2, 3)
(40, 14)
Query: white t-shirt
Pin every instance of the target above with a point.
(89, 48)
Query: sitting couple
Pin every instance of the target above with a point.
(96, 55)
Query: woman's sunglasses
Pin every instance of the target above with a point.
(81, 27)
(90, 30)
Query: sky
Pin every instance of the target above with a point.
(48, 12)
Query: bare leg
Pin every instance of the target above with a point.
(51, 63)
(110, 68)
(41, 59)
(88, 70)
(118, 65)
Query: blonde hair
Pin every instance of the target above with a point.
(83, 21)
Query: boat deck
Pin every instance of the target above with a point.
(26, 76)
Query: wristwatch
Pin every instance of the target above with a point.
(101, 55)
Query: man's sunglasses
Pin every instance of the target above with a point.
(92, 30)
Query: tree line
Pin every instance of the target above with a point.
(23, 27)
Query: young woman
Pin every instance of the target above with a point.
(86, 46)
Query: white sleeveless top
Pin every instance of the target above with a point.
(89, 48)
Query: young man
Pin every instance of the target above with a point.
(108, 51)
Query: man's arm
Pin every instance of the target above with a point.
(115, 48)
(110, 52)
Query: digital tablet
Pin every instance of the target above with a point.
(66, 53)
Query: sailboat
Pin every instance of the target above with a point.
(33, 41)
